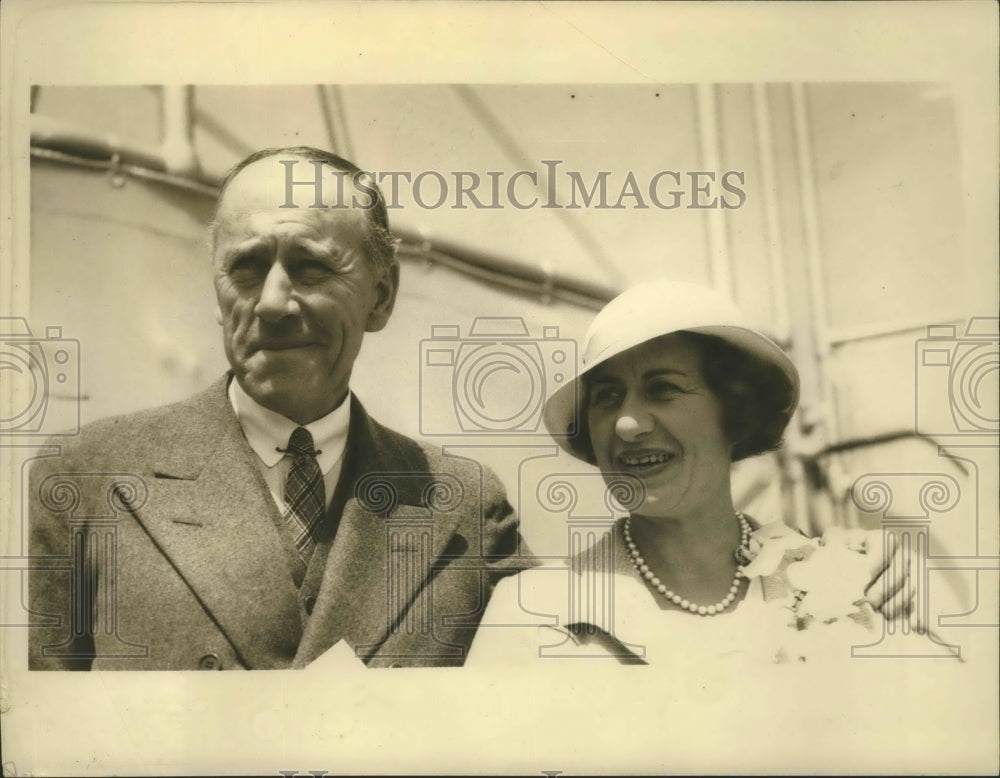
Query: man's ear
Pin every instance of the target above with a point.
(218, 315)
(385, 298)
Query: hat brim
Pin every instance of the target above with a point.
(562, 417)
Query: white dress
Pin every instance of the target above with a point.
(596, 606)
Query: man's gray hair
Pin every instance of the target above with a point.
(380, 244)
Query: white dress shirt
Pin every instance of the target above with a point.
(266, 431)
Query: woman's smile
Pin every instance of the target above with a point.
(651, 414)
(646, 461)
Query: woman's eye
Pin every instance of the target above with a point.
(604, 396)
(664, 389)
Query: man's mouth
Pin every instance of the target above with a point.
(280, 345)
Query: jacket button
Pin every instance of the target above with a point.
(395, 665)
(309, 603)
(210, 662)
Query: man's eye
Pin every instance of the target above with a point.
(312, 271)
(248, 270)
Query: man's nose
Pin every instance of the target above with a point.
(276, 298)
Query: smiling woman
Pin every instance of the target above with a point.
(675, 385)
(651, 413)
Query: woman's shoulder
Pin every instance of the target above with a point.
(533, 595)
(548, 612)
(606, 554)
(567, 607)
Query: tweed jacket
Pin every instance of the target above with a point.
(155, 546)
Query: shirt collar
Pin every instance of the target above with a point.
(266, 430)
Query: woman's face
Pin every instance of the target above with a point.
(652, 415)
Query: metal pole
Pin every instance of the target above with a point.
(177, 145)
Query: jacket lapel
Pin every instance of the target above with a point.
(385, 547)
(211, 514)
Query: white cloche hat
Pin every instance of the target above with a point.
(648, 311)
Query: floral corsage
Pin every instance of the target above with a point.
(814, 583)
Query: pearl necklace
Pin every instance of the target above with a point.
(676, 599)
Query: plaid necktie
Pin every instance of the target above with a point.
(305, 498)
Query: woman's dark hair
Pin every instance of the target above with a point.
(754, 396)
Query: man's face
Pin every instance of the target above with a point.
(296, 292)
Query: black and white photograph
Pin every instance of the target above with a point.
(527, 388)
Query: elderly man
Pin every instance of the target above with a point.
(264, 520)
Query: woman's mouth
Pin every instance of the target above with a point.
(645, 461)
